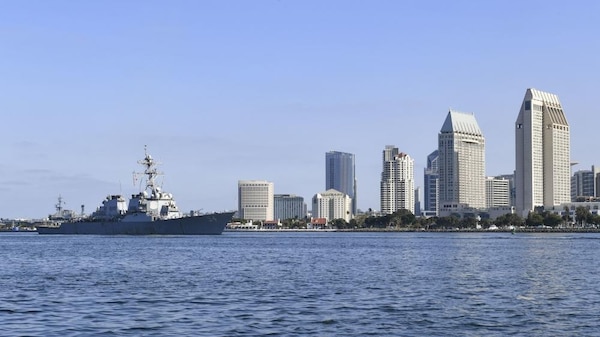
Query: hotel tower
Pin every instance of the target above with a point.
(543, 155)
(461, 164)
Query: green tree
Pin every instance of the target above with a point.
(594, 219)
(552, 219)
(432, 223)
(502, 220)
(360, 220)
(375, 222)
(468, 222)
(486, 222)
(582, 214)
(566, 214)
(339, 223)
(426, 222)
(402, 218)
(448, 222)
(534, 219)
(509, 219)
(287, 223)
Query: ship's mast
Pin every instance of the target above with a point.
(150, 171)
(59, 204)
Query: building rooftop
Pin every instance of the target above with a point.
(461, 122)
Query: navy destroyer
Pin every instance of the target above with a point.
(150, 212)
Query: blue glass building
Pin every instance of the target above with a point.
(340, 174)
(431, 182)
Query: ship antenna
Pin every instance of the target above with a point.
(150, 171)
(59, 204)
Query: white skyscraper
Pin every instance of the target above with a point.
(255, 200)
(543, 153)
(461, 163)
(397, 181)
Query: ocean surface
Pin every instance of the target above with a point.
(301, 284)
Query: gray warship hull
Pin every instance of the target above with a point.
(206, 224)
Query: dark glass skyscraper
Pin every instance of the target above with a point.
(340, 174)
(431, 182)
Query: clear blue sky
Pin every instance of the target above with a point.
(228, 90)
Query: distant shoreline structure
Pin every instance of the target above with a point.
(383, 230)
(418, 230)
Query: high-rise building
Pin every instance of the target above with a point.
(340, 174)
(543, 171)
(511, 186)
(255, 200)
(417, 201)
(431, 182)
(461, 163)
(332, 205)
(497, 192)
(289, 206)
(585, 184)
(397, 181)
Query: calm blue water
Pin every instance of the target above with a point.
(301, 284)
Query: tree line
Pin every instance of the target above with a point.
(405, 219)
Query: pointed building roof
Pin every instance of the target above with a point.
(553, 107)
(547, 97)
(461, 122)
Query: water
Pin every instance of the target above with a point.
(301, 284)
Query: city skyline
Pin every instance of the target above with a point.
(449, 124)
(223, 91)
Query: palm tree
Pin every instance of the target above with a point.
(582, 214)
(566, 215)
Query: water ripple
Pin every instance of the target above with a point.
(301, 284)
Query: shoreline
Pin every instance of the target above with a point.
(413, 230)
(389, 230)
